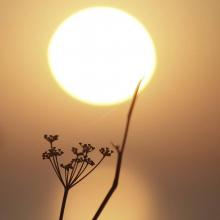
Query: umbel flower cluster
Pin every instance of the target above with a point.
(82, 165)
(79, 167)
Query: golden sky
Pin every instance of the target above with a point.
(172, 155)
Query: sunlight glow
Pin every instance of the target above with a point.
(99, 54)
(133, 199)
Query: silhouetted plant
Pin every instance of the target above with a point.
(77, 169)
(120, 153)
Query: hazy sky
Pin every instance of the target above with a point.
(172, 160)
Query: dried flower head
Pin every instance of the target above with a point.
(51, 138)
(106, 151)
(51, 153)
(77, 169)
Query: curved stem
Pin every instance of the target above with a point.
(55, 165)
(58, 169)
(73, 172)
(60, 178)
(79, 173)
(73, 184)
(112, 189)
(120, 153)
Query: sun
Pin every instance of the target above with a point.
(99, 54)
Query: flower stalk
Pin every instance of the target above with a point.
(76, 170)
(82, 165)
(120, 153)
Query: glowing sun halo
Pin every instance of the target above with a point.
(99, 54)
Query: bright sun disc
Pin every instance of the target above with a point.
(99, 54)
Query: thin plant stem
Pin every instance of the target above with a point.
(79, 171)
(120, 153)
(60, 178)
(73, 184)
(66, 191)
(58, 168)
(72, 172)
(82, 171)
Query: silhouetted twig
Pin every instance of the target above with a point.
(76, 170)
(120, 152)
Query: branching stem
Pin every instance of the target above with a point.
(88, 172)
(120, 152)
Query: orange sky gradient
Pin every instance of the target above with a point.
(173, 148)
